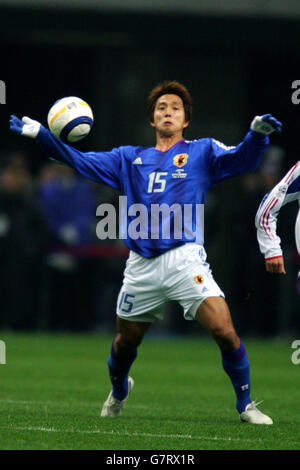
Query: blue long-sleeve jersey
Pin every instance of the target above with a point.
(178, 178)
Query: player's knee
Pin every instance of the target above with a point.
(126, 343)
(224, 334)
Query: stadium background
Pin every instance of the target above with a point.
(238, 59)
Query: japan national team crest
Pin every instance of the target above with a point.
(198, 279)
(180, 159)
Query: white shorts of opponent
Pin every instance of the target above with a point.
(180, 274)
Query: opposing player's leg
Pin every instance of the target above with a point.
(214, 315)
(122, 355)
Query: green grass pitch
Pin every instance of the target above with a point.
(53, 386)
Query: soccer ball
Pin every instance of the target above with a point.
(70, 119)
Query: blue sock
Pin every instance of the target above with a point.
(236, 365)
(118, 367)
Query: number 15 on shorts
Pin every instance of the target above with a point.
(126, 302)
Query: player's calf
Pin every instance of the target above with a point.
(123, 352)
(118, 367)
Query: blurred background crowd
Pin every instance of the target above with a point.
(54, 273)
(237, 62)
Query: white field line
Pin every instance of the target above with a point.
(112, 432)
(62, 403)
(127, 434)
(102, 432)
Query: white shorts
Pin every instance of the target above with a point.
(180, 274)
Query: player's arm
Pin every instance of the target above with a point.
(102, 167)
(285, 191)
(297, 229)
(266, 230)
(297, 236)
(226, 162)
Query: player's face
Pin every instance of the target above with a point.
(169, 115)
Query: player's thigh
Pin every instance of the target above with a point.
(129, 334)
(214, 315)
(141, 298)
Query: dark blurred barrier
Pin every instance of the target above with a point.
(80, 287)
(23, 239)
(112, 250)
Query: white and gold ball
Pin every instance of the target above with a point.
(70, 119)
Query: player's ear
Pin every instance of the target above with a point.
(186, 124)
(152, 124)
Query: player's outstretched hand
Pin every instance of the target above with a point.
(266, 124)
(27, 127)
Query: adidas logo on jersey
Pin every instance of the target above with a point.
(138, 161)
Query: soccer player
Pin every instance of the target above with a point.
(159, 268)
(287, 190)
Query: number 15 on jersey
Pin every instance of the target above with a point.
(157, 183)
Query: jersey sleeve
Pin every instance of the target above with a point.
(287, 190)
(226, 162)
(102, 167)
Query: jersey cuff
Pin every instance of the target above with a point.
(259, 137)
(273, 257)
